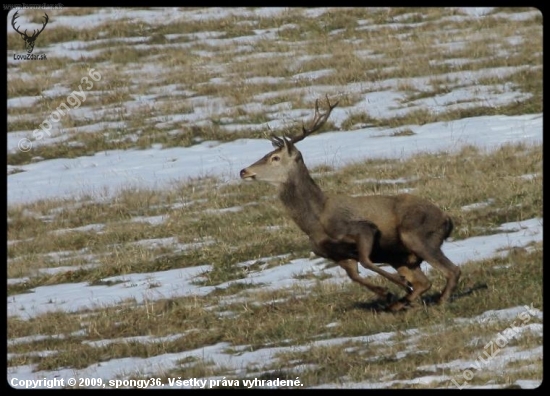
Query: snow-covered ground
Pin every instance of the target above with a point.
(108, 172)
(73, 297)
(238, 362)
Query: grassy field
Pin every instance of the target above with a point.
(417, 51)
(280, 317)
(239, 229)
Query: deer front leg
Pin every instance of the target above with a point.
(350, 266)
(364, 234)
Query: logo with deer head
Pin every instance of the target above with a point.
(29, 40)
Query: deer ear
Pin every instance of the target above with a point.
(277, 142)
(288, 145)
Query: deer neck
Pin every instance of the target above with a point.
(303, 199)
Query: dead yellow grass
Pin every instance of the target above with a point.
(358, 45)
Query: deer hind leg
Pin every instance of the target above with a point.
(420, 284)
(351, 269)
(430, 251)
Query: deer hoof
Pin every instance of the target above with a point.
(405, 283)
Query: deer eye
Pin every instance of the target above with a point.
(275, 158)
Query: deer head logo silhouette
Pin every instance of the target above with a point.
(29, 40)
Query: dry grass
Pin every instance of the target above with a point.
(297, 319)
(360, 46)
(305, 311)
(192, 214)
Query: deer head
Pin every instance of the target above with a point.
(29, 40)
(276, 166)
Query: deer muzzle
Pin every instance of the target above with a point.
(247, 174)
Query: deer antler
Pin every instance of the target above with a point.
(317, 122)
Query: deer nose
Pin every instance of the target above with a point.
(246, 174)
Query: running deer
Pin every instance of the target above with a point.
(399, 230)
